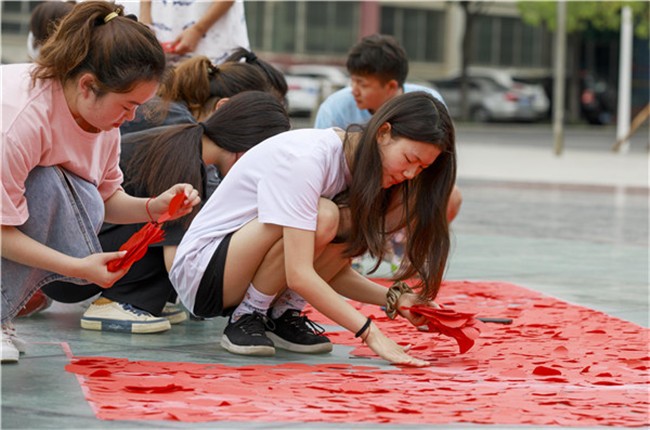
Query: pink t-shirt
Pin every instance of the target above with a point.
(38, 129)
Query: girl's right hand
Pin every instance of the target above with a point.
(389, 350)
(94, 268)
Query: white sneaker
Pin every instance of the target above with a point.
(18, 341)
(174, 313)
(107, 315)
(10, 353)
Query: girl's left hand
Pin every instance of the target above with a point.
(187, 41)
(408, 300)
(160, 204)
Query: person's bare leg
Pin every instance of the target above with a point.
(256, 255)
(248, 248)
(290, 329)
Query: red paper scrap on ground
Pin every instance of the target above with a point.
(556, 364)
(138, 244)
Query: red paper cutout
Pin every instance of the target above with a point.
(138, 244)
(461, 326)
(540, 371)
(174, 206)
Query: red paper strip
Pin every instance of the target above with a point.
(138, 244)
(461, 326)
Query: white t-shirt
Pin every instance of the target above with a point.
(170, 18)
(38, 129)
(278, 181)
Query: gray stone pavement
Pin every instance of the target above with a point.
(573, 227)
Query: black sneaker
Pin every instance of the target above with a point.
(295, 332)
(246, 336)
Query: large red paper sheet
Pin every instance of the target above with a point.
(556, 364)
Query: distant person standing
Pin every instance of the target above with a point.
(211, 28)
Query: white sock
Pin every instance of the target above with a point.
(288, 300)
(254, 301)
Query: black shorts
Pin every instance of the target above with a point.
(209, 297)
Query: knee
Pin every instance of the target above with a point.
(327, 221)
(454, 204)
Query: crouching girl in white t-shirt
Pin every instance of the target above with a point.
(262, 245)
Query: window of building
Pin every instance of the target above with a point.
(313, 27)
(283, 36)
(255, 23)
(332, 26)
(419, 31)
(508, 42)
(271, 25)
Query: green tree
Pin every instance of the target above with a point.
(582, 16)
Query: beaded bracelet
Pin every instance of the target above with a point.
(392, 296)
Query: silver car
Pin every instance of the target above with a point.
(490, 100)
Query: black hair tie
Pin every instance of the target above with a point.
(203, 127)
(250, 57)
(363, 329)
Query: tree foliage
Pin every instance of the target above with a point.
(581, 15)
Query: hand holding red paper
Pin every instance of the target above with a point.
(138, 244)
(405, 302)
(160, 205)
(461, 326)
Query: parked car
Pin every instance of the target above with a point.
(303, 95)
(538, 97)
(333, 78)
(487, 100)
(310, 84)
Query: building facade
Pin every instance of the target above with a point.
(290, 32)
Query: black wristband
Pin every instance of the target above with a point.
(364, 328)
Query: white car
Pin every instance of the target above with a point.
(310, 84)
(303, 95)
(333, 78)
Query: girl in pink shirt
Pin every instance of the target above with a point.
(60, 154)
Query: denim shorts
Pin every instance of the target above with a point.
(65, 214)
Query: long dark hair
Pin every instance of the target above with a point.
(118, 50)
(420, 117)
(275, 77)
(172, 154)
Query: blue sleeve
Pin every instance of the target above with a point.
(324, 115)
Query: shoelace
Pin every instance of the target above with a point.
(304, 324)
(255, 323)
(8, 331)
(129, 307)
